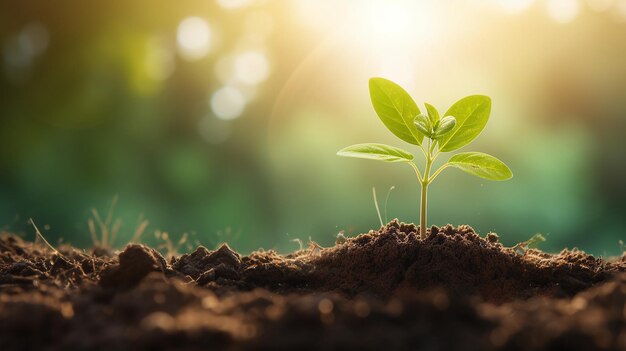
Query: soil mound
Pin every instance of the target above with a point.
(456, 259)
(384, 289)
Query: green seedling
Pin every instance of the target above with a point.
(433, 134)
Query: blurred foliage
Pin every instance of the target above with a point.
(225, 127)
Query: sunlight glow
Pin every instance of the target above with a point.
(393, 23)
(375, 23)
(399, 68)
(194, 38)
(390, 38)
(390, 19)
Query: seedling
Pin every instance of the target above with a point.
(461, 124)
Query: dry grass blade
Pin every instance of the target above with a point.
(377, 209)
(109, 218)
(142, 224)
(114, 230)
(103, 227)
(40, 236)
(93, 232)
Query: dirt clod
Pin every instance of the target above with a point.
(492, 238)
(135, 262)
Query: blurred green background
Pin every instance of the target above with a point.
(221, 119)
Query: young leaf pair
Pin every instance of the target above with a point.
(461, 124)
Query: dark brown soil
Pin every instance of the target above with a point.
(385, 289)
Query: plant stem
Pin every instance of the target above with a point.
(438, 171)
(417, 171)
(425, 181)
(423, 212)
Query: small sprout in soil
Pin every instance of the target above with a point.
(534, 241)
(432, 133)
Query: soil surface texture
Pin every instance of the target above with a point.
(386, 289)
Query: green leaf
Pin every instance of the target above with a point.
(422, 123)
(471, 113)
(444, 127)
(395, 107)
(481, 165)
(373, 151)
(433, 114)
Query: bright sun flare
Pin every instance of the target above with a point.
(392, 32)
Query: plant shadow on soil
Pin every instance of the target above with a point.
(384, 289)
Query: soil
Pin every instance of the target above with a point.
(385, 289)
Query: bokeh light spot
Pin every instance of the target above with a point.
(34, 38)
(31, 41)
(194, 38)
(228, 103)
(251, 67)
(563, 11)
